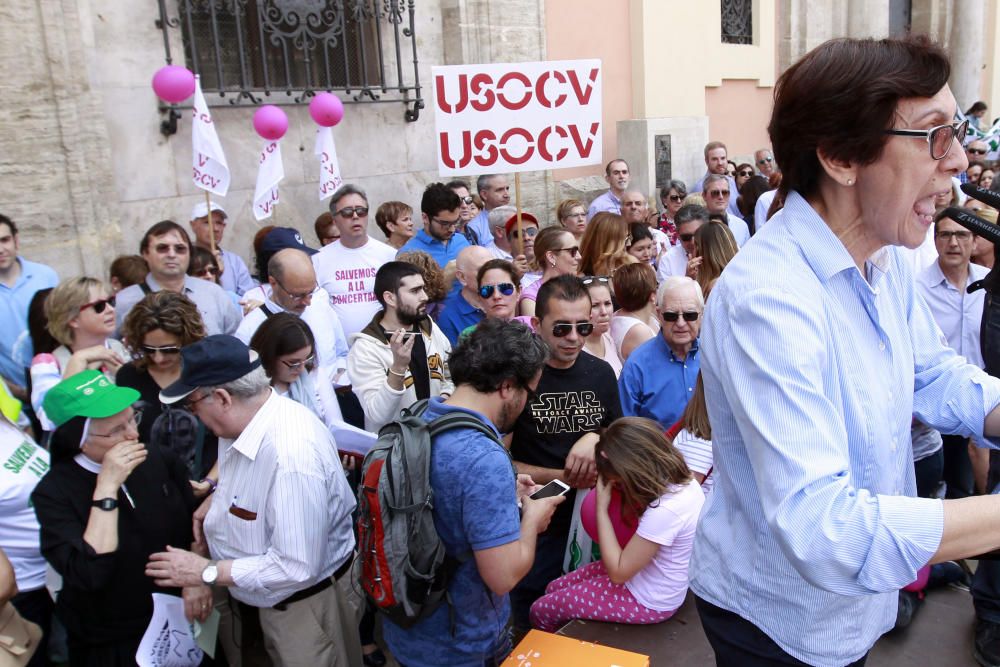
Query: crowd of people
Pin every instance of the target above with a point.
(175, 431)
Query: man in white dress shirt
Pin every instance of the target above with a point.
(279, 528)
(674, 261)
(718, 192)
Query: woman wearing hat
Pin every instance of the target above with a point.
(106, 504)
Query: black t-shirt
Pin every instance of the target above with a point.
(418, 364)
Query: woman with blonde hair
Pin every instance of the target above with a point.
(81, 316)
(602, 249)
(716, 246)
(556, 254)
(645, 580)
(572, 216)
(637, 320)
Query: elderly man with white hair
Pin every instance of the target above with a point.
(659, 377)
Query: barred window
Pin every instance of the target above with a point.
(248, 50)
(737, 21)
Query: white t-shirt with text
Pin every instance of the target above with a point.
(348, 275)
(24, 465)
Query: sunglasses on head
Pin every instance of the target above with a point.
(590, 280)
(165, 349)
(688, 315)
(563, 329)
(486, 291)
(99, 305)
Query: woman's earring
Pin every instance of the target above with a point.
(850, 181)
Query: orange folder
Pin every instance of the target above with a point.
(542, 649)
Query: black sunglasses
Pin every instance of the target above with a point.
(99, 305)
(562, 329)
(688, 315)
(746, 173)
(676, 198)
(348, 212)
(687, 238)
(486, 291)
(466, 200)
(765, 159)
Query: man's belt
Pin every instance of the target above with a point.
(319, 587)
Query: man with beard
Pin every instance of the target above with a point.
(401, 356)
(617, 175)
(496, 369)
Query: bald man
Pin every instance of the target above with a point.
(461, 308)
(292, 288)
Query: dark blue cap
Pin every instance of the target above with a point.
(280, 238)
(210, 362)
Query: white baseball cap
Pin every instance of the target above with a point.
(200, 210)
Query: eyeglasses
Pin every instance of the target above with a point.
(746, 173)
(447, 224)
(486, 291)
(573, 252)
(961, 235)
(563, 329)
(718, 193)
(590, 280)
(164, 248)
(350, 211)
(99, 305)
(300, 296)
(676, 198)
(939, 139)
(207, 271)
(115, 432)
(976, 151)
(686, 238)
(765, 160)
(466, 200)
(294, 365)
(189, 404)
(165, 349)
(688, 315)
(529, 232)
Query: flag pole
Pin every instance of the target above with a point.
(211, 223)
(517, 203)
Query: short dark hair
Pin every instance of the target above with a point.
(565, 288)
(161, 228)
(438, 197)
(842, 96)
(690, 212)
(640, 231)
(500, 265)
(278, 335)
(390, 276)
(129, 270)
(201, 258)
(4, 220)
(607, 167)
(496, 351)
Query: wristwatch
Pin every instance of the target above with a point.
(106, 504)
(210, 574)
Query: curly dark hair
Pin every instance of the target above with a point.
(172, 312)
(431, 271)
(496, 351)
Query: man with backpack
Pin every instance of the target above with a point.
(474, 494)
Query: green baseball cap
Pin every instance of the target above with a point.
(87, 394)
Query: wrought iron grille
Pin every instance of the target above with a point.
(737, 21)
(248, 50)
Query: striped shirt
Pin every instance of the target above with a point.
(697, 453)
(282, 511)
(811, 376)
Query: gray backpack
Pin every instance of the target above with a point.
(405, 571)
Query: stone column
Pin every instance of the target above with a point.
(966, 48)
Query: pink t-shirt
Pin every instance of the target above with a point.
(671, 523)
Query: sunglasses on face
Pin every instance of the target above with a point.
(573, 252)
(165, 349)
(976, 151)
(745, 173)
(164, 248)
(207, 271)
(676, 198)
(765, 160)
(295, 365)
(686, 238)
(688, 315)
(529, 232)
(486, 291)
(563, 329)
(466, 200)
(718, 193)
(99, 305)
(350, 211)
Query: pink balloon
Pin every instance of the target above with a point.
(326, 109)
(173, 83)
(624, 528)
(270, 122)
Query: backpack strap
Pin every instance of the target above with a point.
(268, 313)
(144, 286)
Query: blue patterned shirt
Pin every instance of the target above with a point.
(812, 374)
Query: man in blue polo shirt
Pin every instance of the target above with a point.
(441, 210)
(496, 368)
(19, 281)
(659, 376)
(461, 308)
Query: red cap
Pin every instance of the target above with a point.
(512, 221)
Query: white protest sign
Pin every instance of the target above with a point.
(329, 167)
(211, 172)
(169, 639)
(269, 174)
(517, 116)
